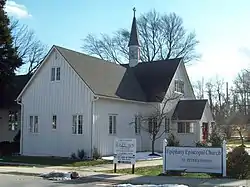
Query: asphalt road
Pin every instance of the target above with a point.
(28, 181)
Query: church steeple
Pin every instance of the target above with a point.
(134, 47)
(133, 40)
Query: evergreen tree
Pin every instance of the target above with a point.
(9, 60)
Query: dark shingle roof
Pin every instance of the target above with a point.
(9, 95)
(104, 78)
(189, 109)
(133, 40)
(144, 82)
(155, 77)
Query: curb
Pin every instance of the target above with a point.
(20, 173)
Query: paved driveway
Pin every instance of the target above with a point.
(28, 181)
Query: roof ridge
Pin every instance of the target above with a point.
(164, 61)
(89, 56)
(194, 99)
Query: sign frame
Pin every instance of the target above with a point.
(124, 152)
(195, 159)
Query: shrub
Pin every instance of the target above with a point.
(9, 148)
(238, 163)
(17, 137)
(96, 154)
(201, 144)
(73, 156)
(80, 154)
(215, 139)
(173, 141)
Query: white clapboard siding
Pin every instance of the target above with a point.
(180, 74)
(125, 112)
(64, 98)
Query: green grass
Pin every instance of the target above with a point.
(157, 170)
(52, 161)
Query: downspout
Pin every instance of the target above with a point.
(95, 98)
(21, 127)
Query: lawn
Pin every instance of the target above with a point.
(52, 161)
(237, 142)
(157, 170)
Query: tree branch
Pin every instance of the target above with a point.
(162, 36)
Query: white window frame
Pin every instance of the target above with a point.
(112, 124)
(33, 126)
(191, 128)
(77, 124)
(179, 86)
(13, 120)
(54, 122)
(58, 74)
(137, 125)
(55, 74)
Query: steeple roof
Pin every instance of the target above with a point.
(133, 34)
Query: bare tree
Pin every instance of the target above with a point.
(154, 122)
(220, 100)
(211, 98)
(199, 89)
(238, 122)
(242, 90)
(238, 106)
(30, 49)
(162, 36)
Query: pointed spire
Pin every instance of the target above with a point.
(133, 34)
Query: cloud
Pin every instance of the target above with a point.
(17, 10)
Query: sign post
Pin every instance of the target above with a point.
(124, 152)
(224, 158)
(165, 143)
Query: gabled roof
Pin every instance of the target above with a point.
(9, 95)
(146, 82)
(104, 78)
(155, 77)
(189, 109)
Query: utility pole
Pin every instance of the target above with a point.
(227, 100)
(202, 87)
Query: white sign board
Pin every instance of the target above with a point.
(194, 159)
(125, 151)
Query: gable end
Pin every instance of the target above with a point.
(53, 49)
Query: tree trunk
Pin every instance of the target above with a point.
(228, 131)
(241, 138)
(153, 146)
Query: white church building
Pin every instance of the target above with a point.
(75, 101)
